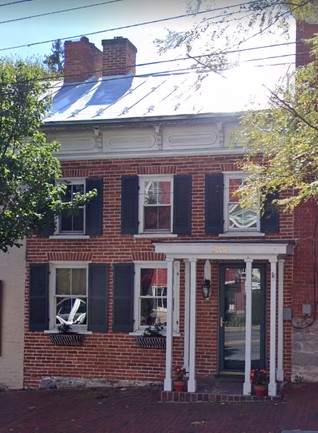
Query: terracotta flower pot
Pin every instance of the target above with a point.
(260, 390)
(179, 385)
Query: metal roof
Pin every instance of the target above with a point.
(164, 94)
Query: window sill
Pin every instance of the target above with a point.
(241, 235)
(75, 236)
(155, 235)
(141, 334)
(78, 331)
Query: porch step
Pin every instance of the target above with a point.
(205, 397)
(219, 389)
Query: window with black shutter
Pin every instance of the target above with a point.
(156, 204)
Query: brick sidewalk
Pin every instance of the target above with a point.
(134, 410)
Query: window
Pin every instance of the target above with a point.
(70, 222)
(156, 204)
(68, 288)
(224, 214)
(237, 218)
(74, 291)
(151, 295)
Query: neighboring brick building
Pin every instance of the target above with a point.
(165, 223)
(12, 281)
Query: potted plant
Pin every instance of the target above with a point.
(260, 379)
(180, 379)
(152, 338)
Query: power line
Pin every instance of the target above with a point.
(58, 12)
(132, 25)
(13, 3)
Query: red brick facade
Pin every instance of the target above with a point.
(115, 356)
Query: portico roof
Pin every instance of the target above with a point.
(225, 250)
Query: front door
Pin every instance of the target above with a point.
(232, 318)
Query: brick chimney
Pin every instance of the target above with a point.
(82, 61)
(119, 57)
(304, 30)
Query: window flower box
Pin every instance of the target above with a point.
(151, 342)
(67, 339)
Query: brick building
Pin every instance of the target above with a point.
(165, 241)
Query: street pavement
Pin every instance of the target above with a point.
(139, 410)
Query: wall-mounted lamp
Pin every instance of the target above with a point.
(206, 289)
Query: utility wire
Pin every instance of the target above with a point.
(132, 25)
(13, 3)
(58, 12)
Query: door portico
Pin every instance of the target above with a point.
(274, 252)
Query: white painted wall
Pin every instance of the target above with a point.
(12, 275)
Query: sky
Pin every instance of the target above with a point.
(99, 18)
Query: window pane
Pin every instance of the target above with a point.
(78, 220)
(152, 313)
(157, 192)
(238, 217)
(157, 218)
(71, 310)
(241, 218)
(63, 281)
(70, 221)
(79, 282)
(153, 301)
(66, 222)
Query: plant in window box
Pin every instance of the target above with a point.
(152, 338)
(259, 379)
(66, 336)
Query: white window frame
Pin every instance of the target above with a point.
(236, 175)
(176, 294)
(53, 266)
(142, 180)
(72, 181)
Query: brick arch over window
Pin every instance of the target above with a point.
(70, 257)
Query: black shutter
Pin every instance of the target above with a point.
(182, 203)
(129, 205)
(270, 216)
(214, 193)
(97, 297)
(123, 296)
(39, 297)
(94, 208)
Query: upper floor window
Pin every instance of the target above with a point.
(73, 222)
(237, 218)
(156, 204)
(223, 213)
(87, 219)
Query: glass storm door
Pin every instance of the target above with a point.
(232, 317)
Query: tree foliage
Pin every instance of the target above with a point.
(55, 61)
(213, 42)
(29, 198)
(281, 142)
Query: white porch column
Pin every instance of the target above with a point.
(248, 327)
(280, 326)
(169, 329)
(186, 315)
(192, 383)
(272, 386)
